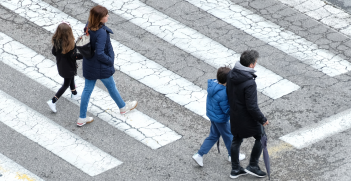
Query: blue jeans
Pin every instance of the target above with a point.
(216, 130)
(88, 89)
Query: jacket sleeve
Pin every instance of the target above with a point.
(53, 51)
(225, 106)
(74, 55)
(251, 104)
(99, 49)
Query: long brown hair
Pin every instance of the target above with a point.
(96, 14)
(63, 38)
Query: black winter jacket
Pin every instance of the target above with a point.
(246, 117)
(66, 63)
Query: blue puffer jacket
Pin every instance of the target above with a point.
(101, 65)
(217, 106)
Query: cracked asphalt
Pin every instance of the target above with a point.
(319, 96)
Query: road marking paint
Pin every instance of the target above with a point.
(276, 36)
(273, 151)
(11, 171)
(326, 13)
(193, 42)
(128, 61)
(44, 71)
(312, 134)
(54, 137)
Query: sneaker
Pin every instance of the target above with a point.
(83, 121)
(52, 105)
(75, 97)
(255, 171)
(198, 159)
(241, 157)
(237, 173)
(130, 105)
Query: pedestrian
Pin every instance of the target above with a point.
(217, 109)
(246, 118)
(64, 49)
(101, 65)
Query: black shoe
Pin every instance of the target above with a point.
(237, 173)
(255, 171)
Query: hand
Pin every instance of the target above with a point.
(266, 123)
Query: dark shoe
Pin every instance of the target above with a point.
(237, 173)
(255, 171)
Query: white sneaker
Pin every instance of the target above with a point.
(130, 105)
(241, 157)
(198, 159)
(75, 97)
(83, 121)
(52, 105)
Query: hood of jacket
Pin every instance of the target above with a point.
(214, 87)
(241, 74)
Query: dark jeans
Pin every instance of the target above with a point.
(68, 82)
(255, 153)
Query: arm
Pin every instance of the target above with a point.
(53, 51)
(99, 49)
(225, 106)
(251, 104)
(74, 55)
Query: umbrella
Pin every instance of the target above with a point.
(265, 152)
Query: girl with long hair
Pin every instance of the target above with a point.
(101, 65)
(65, 51)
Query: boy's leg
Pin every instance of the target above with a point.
(112, 89)
(210, 140)
(224, 130)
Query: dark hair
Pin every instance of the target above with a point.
(63, 38)
(96, 14)
(248, 57)
(222, 74)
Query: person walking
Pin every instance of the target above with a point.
(65, 51)
(246, 117)
(217, 109)
(101, 65)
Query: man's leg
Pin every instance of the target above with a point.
(235, 149)
(253, 167)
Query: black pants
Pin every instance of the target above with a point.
(68, 82)
(255, 153)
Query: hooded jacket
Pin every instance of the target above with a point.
(246, 117)
(217, 106)
(101, 65)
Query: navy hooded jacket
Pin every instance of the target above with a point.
(246, 116)
(101, 65)
(217, 106)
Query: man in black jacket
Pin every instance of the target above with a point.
(246, 118)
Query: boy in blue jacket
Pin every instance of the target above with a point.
(217, 109)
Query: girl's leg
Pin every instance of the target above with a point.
(112, 89)
(88, 89)
(210, 140)
(224, 130)
(73, 86)
(66, 84)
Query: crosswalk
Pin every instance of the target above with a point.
(138, 124)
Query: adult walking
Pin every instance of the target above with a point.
(246, 119)
(101, 65)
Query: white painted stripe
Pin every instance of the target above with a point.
(10, 170)
(128, 61)
(54, 137)
(276, 36)
(193, 42)
(44, 71)
(327, 127)
(328, 14)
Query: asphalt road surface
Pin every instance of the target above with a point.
(165, 51)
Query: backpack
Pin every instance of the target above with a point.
(83, 45)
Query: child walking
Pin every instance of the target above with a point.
(217, 109)
(64, 49)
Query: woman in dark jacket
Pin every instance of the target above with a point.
(66, 60)
(101, 65)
